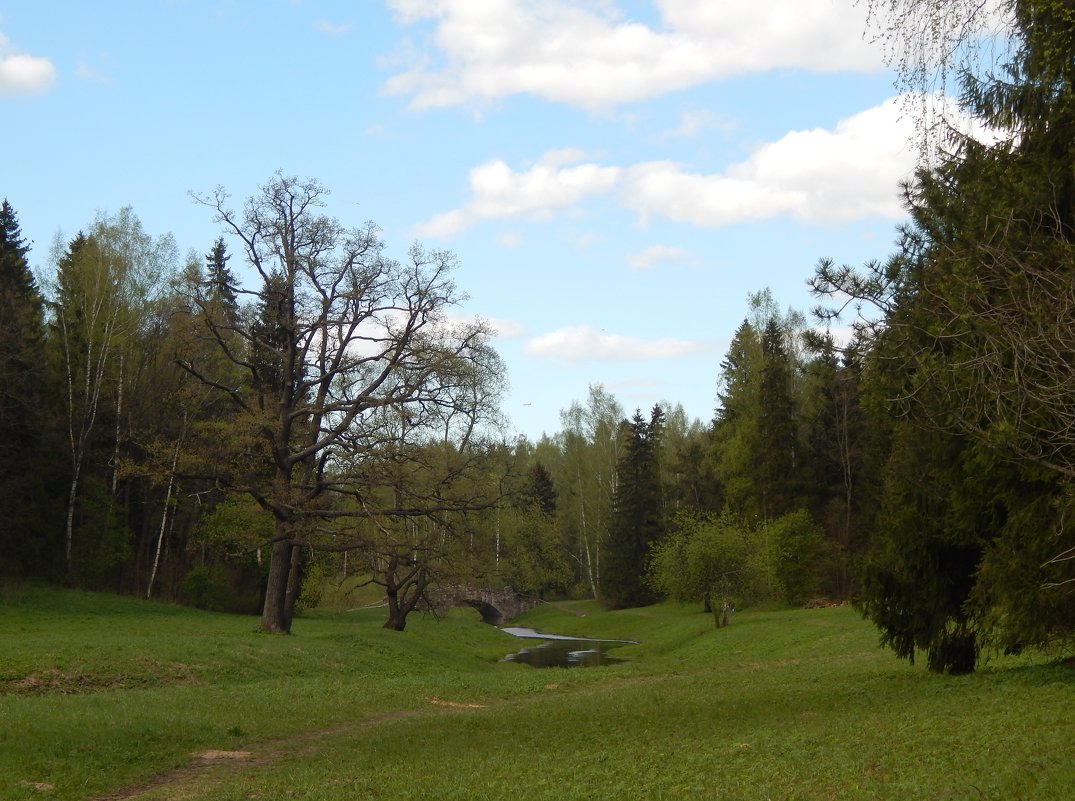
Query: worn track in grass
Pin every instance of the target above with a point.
(210, 767)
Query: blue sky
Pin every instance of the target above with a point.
(614, 176)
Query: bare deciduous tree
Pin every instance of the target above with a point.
(344, 337)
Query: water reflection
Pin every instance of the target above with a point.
(558, 650)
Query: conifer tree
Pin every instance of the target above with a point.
(638, 522)
(23, 407)
(221, 283)
(975, 346)
(776, 456)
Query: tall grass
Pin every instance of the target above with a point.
(99, 693)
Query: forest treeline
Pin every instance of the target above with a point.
(173, 433)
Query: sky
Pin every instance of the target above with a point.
(615, 176)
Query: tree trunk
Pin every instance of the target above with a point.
(294, 584)
(585, 538)
(164, 515)
(274, 617)
(69, 530)
(403, 595)
(119, 417)
(721, 614)
(397, 618)
(160, 535)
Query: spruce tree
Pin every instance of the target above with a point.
(975, 356)
(220, 281)
(24, 473)
(638, 521)
(776, 457)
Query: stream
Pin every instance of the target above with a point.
(559, 650)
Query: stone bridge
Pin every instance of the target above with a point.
(495, 606)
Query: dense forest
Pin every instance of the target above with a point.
(172, 433)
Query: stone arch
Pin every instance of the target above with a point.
(490, 614)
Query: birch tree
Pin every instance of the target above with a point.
(105, 283)
(590, 446)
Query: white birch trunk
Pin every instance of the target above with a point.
(160, 535)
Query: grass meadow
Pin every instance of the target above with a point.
(107, 697)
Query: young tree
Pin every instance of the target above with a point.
(348, 337)
(708, 559)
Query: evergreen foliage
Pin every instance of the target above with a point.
(537, 563)
(923, 469)
(638, 522)
(221, 283)
(973, 357)
(27, 480)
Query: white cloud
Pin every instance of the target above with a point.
(589, 55)
(841, 334)
(849, 172)
(583, 343)
(498, 192)
(506, 329)
(24, 74)
(698, 121)
(331, 28)
(510, 240)
(656, 255)
(587, 240)
(87, 73)
(558, 157)
(443, 226)
(502, 329)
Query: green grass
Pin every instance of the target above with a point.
(99, 693)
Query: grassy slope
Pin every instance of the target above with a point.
(100, 693)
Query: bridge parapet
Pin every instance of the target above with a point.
(495, 606)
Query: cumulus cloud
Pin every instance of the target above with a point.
(847, 173)
(590, 55)
(498, 192)
(23, 74)
(583, 343)
(656, 255)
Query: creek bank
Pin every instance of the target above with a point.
(561, 650)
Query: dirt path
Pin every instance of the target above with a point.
(212, 767)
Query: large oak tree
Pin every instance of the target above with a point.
(344, 338)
